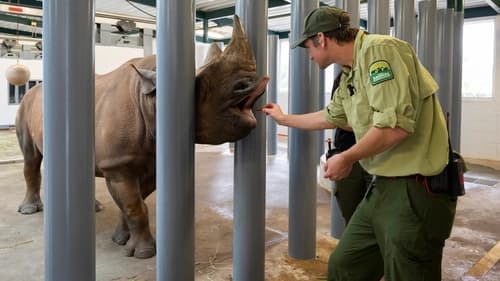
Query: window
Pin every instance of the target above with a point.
(16, 93)
(283, 65)
(477, 68)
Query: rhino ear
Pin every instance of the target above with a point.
(148, 80)
(213, 52)
(239, 45)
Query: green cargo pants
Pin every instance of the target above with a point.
(398, 231)
(351, 190)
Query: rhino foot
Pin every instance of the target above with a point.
(121, 236)
(143, 250)
(30, 208)
(98, 206)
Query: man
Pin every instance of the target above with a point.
(388, 100)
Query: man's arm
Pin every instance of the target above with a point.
(308, 121)
(375, 141)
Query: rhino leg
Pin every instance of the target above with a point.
(122, 233)
(98, 206)
(125, 190)
(32, 202)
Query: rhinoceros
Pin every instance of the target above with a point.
(226, 88)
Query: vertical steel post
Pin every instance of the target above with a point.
(427, 30)
(147, 41)
(68, 130)
(379, 18)
(175, 140)
(404, 21)
(352, 7)
(456, 100)
(321, 105)
(444, 69)
(304, 76)
(250, 162)
(272, 90)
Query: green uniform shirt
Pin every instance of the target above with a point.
(388, 87)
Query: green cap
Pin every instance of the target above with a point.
(321, 19)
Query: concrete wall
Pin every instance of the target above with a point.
(481, 116)
(7, 111)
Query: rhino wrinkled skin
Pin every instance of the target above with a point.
(227, 86)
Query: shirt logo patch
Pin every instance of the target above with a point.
(380, 71)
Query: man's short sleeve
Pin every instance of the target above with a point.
(388, 87)
(334, 111)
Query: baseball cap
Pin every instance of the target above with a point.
(321, 19)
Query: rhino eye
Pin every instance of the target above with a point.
(241, 85)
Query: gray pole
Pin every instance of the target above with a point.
(456, 100)
(352, 7)
(443, 69)
(175, 141)
(304, 76)
(68, 130)
(272, 90)
(321, 105)
(427, 31)
(147, 41)
(379, 18)
(250, 162)
(404, 21)
(105, 33)
(337, 223)
(205, 30)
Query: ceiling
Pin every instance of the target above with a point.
(27, 23)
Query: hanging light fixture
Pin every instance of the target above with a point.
(18, 74)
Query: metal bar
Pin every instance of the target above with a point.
(352, 7)
(379, 18)
(304, 78)
(427, 30)
(250, 162)
(147, 41)
(272, 90)
(321, 105)
(444, 68)
(456, 97)
(68, 130)
(404, 21)
(175, 141)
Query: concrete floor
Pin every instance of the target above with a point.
(476, 230)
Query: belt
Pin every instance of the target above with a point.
(414, 176)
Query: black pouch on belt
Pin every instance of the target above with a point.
(451, 179)
(456, 169)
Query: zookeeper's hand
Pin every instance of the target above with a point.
(337, 167)
(274, 110)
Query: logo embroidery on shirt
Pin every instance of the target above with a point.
(380, 71)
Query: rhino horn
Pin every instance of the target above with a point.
(239, 46)
(148, 80)
(213, 52)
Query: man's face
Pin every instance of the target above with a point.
(317, 52)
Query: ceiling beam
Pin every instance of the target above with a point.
(478, 12)
(27, 3)
(494, 4)
(20, 20)
(15, 32)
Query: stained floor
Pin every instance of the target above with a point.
(476, 229)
